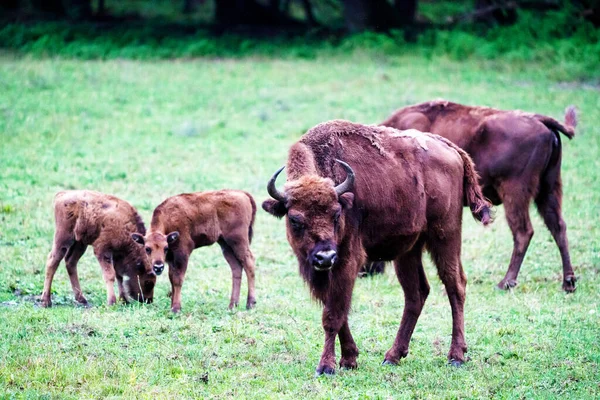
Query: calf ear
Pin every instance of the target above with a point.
(139, 239)
(172, 237)
(274, 207)
(347, 200)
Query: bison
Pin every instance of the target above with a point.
(188, 221)
(517, 156)
(357, 192)
(85, 218)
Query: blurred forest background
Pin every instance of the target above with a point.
(562, 33)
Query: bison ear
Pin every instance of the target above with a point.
(139, 239)
(347, 200)
(274, 207)
(172, 237)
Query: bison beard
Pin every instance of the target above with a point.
(417, 206)
(517, 156)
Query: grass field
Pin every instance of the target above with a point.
(147, 130)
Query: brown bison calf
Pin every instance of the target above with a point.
(517, 156)
(85, 218)
(188, 221)
(395, 195)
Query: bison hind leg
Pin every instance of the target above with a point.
(61, 245)
(410, 273)
(71, 259)
(446, 257)
(549, 206)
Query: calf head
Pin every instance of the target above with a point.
(315, 221)
(156, 245)
(137, 274)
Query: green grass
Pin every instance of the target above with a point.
(147, 130)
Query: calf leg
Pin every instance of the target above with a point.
(61, 244)
(549, 206)
(121, 288)
(177, 269)
(109, 275)
(72, 258)
(446, 256)
(236, 273)
(516, 199)
(238, 255)
(410, 273)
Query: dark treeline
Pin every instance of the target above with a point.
(355, 15)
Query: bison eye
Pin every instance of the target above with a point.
(336, 217)
(148, 250)
(297, 224)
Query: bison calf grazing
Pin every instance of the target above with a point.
(517, 156)
(187, 221)
(393, 195)
(85, 218)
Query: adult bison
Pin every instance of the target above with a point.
(394, 194)
(517, 156)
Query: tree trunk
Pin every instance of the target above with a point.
(248, 12)
(187, 6)
(407, 11)
(376, 15)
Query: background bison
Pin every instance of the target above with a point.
(518, 157)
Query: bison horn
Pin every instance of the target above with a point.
(273, 192)
(348, 183)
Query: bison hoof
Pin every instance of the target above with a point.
(250, 304)
(456, 363)
(388, 362)
(348, 364)
(84, 304)
(507, 284)
(175, 310)
(324, 370)
(569, 284)
(46, 303)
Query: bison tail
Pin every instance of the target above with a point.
(568, 129)
(251, 227)
(480, 207)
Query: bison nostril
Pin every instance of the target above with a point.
(325, 259)
(158, 268)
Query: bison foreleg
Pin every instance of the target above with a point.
(335, 321)
(108, 273)
(349, 349)
(177, 269)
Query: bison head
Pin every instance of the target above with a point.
(156, 245)
(137, 276)
(315, 221)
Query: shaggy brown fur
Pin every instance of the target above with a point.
(407, 196)
(86, 218)
(518, 157)
(187, 221)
